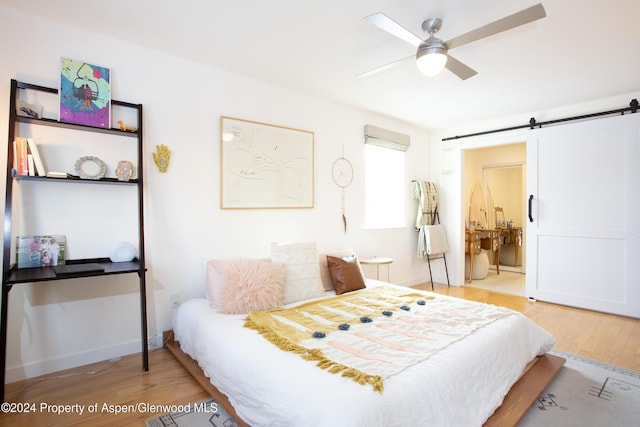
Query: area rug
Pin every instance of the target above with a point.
(203, 413)
(584, 393)
(587, 393)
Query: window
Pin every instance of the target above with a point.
(384, 187)
(384, 178)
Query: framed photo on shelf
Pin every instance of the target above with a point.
(40, 251)
(25, 109)
(85, 94)
(264, 166)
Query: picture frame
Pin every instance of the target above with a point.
(40, 251)
(85, 94)
(264, 166)
(24, 109)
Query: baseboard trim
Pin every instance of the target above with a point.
(67, 361)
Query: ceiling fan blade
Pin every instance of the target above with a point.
(459, 69)
(384, 67)
(387, 24)
(525, 16)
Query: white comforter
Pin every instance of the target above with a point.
(459, 386)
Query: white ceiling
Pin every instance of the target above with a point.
(583, 50)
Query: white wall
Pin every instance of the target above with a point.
(68, 323)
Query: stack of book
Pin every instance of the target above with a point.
(26, 158)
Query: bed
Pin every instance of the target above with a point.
(462, 382)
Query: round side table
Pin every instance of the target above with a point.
(378, 261)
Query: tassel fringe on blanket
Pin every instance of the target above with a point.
(315, 354)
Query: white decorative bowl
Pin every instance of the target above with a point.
(122, 252)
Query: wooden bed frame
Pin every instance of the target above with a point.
(522, 395)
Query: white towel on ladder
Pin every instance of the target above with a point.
(422, 248)
(435, 239)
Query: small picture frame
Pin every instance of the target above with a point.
(25, 109)
(40, 251)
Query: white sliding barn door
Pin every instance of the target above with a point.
(583, 230)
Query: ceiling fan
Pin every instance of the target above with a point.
(432, 55)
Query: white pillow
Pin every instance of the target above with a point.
(302, 270)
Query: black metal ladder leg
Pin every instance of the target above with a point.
(446, 270)
(430, 275)
(3, 335)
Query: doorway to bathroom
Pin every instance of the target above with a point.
(499, 174)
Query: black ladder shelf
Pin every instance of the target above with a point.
(11, 275)
(428, 198)
(443, 257)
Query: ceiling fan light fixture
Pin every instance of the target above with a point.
(431, 58)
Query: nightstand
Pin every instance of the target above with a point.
(378, 261)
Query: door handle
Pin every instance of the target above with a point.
(530, 207)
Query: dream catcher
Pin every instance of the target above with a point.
(342, 173)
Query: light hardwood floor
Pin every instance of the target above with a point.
(507, 282)
(611, 339)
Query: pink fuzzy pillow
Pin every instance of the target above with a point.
(237, 286)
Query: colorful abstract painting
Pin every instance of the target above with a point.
(85, 94)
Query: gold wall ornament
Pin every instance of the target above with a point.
(161, 157)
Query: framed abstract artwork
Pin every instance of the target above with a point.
(264, 166)
(85, 94)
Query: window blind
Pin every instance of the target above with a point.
(386, 138)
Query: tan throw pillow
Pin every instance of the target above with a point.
(324, 268)
(345, 274)
(237, 286)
